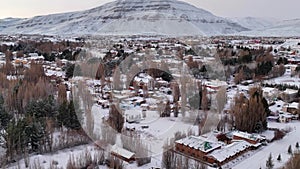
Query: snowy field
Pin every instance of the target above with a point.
(159, 129)
(60, 157)
(286, 79)
(258, 158)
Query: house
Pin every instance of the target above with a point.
(197, 147)
(145, 106)
(35, 57)
(254, 139)
(215, 84)
(270, 93)
(285, 117)
(133, 115)
(273, 118)
(294, 60)
(144, 80)
(228, 152)
(122, 154)
(161, 83)
(289, 95)
(291, 108)
(103, 103)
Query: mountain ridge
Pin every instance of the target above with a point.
(168, 17)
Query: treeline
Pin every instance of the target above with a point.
(240, 55)
(97, 67)
(50, 50)
(265, 67)
(262, 60)
(282, 87)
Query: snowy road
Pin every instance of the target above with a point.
(259, 159)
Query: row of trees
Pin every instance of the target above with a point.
(50, 50)
(133, 142)
(251, 113)
(240, 55)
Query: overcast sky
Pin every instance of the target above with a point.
(282, 9)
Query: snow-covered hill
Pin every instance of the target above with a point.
(286, 28)
(255, 23)
(164, 17)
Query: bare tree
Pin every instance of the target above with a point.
(169, 157)
(108, 134)
(115, 119)
(100, 74)
(250, 114)
(89, 123)
(167, 110)
(183, 93)
(117, 79)
(175, 91)
(62, 93)
(294, 162)
(221, 99)
(116, 163)
(239, 76)
(176, 109)
(204, 100)
(145, 91)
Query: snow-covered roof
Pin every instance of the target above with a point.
(102, 101)
(144, 79)
(120, 97)
(34, 57)
(215, 83)
(133, 112)
(122, 152)
(229, 150)
(286, 115)
(277, 106)
(290, 91)
(199, 143)
(269, 89)
(248, 136)
(293, 105)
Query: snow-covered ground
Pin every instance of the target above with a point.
(286, 79)
(249, 160)
(148, 17)
(258, 158)
(59, 157)
(54, 72)
(159, 129)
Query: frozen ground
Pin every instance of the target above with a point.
(60, 157)
(259, 158)
(285, 79)
(159, 129)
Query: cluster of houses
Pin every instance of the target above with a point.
(288, 112)
(282, 111)
(31, 57)
(218, 153)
